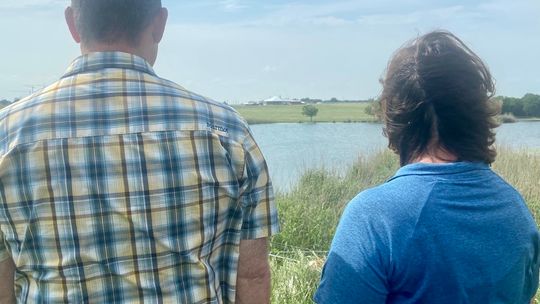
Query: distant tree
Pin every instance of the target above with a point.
(310, 111)
(310, 100)
(513, 105)
(527, 106)
(531, 105)
(374, 109)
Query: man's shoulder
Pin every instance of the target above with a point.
(26, 103)
(392, 203)
(23, 116)
(218, 115)
(393, 193)
(68, 108)
(177, 98)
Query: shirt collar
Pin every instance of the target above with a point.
(440, 169)
(105, 60)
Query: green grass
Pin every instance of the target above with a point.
(338, 112)
(310, 213)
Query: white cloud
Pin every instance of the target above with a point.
(232, 5)
(20, 4)
(505, 6)
(308, 14)
(344, 13)
(330, 21)
(518, 10)
(318, 48)
(439, 15)
(269, 69)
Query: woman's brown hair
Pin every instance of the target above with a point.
(437, 94)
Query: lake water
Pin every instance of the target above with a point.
(290, 149)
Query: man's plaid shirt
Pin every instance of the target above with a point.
(119, 186)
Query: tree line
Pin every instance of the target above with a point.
(527, 106)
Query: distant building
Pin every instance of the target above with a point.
(252, 103)
(278, 100)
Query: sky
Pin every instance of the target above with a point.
(250, 50)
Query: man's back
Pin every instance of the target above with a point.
(435, 233)
(118, 186)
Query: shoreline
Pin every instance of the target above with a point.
(375, 121)
(533, 119)
(328, 113)
(257, 122)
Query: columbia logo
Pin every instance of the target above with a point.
(217, 128)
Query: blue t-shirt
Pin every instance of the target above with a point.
(435, 233)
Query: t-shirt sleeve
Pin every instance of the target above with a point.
(356, 267)
(260, 218)
(4, 254)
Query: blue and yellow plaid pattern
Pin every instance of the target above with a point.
(117, 186)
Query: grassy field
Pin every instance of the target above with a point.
(334, 112)
(310, 213)
(337, 112)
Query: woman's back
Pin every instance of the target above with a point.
(435, 233)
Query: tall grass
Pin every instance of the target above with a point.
(522, 170)
(311, 212)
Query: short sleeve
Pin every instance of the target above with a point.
(4, 254)
(356, 267)
(260, 217)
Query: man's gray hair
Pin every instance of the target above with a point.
(108, 21)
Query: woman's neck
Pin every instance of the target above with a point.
(437, 156)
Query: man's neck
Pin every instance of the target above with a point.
(87, 49)
(439, 156)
